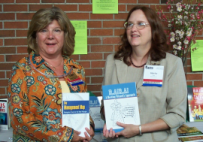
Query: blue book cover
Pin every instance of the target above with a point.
(121, 105)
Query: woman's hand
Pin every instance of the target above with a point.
(76, 137)
(108, 134)
(130, 130)
(87, 137)
(90, 136)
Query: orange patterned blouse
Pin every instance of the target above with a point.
(35, 99)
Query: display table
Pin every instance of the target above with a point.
(6, 135)
(198, 125)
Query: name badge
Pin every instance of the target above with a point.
(153, 75)
(74, 79)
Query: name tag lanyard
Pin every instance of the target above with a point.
(153, 75)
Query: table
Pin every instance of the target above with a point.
(6, 135)
(198, 125)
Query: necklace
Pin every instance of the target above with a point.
(51, 76)
(135, 65)
(54, 67)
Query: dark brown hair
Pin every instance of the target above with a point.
(43, 18)
(159, 39)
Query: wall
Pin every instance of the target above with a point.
(103, 35)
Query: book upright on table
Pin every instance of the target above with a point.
(95, 103)
(4, 114)
(120, 105)
(195, 104)
(75, 111)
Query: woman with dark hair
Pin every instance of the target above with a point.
(39, 80)
(162, 109)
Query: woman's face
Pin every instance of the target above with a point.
(50, 40)
(138, 37)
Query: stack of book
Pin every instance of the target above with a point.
(189, 134)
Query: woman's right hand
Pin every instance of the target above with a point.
(76, 137)
(108, 134)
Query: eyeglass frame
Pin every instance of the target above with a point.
(145, 24)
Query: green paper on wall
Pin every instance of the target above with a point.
(105, 6)
(197, 56)
(80, 37)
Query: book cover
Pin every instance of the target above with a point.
(75, 111)
(4, 116)
(185, 130)
(195, 104)
(95, 103)
(192, 139)
(120, 104)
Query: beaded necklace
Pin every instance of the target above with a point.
(135, 65)
(50, 76)
(50, 65)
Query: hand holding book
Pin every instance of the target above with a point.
(108, 133)
(130, 130)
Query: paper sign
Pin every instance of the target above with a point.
(105, 6)
(196, 56)
(80, 37)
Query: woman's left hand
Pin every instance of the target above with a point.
(130, 130)
(90, 136)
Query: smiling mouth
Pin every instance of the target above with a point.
(50, 43)
(135, 36)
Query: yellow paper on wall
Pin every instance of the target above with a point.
(105, 6)
(80, 37)
(197, 56)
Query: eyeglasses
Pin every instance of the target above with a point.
(139, 25)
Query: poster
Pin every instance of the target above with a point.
(80, 37)
(105, 6)
(196, 56)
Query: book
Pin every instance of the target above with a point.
(4, 114)
(95, 103)
(195, 104)
(185, 130)
(75, 111)
(120, 104)
(192, 139)
(189, 98)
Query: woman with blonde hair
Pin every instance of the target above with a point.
(38, 81)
